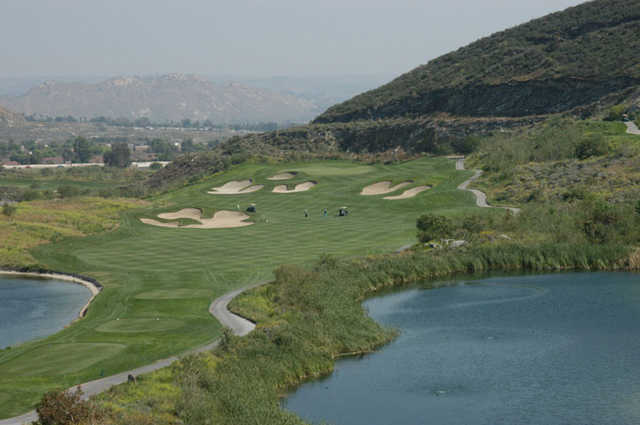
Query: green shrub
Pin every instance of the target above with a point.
(591, 145)
(433, 227)
(9, 210)
(68, 191)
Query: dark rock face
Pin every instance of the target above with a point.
(424, 134)
(517, 99)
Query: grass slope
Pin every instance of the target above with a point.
(159, 281)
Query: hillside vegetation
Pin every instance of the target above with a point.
(552, 64)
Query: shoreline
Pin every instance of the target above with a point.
(94, 287)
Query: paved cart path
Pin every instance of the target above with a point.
(481, 197)
(218, 308)
(632, 128)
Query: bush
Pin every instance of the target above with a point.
(431, 226)
(65, 408)
(593, 145)
(9, 210)
(68, 191)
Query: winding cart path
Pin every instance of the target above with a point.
(632, 128)
(481, 197)
(218, 309)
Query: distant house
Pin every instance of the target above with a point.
(10, 163)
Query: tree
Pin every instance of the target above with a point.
(188, 146)
(82, 150)
(431, 227)
(8, 210)
(118, 156)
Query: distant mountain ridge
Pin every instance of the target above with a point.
(551, 64)
(171, 97)
(10, 119)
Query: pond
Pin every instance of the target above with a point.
(34, 308)
(537, 349)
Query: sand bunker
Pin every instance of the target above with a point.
(236, 188)
(302, 187)
(220, 220)
(382, 188)
(283, 176)
(408, 193)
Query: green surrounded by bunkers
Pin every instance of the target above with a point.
(159, 281)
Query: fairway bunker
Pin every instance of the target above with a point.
(302, 187)
(220, 220)
(236, 187)
(382, 188)
(408, 193)
(283, 176)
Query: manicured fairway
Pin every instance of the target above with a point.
(159, 281)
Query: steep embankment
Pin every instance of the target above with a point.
(579, 60)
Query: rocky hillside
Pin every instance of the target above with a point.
(552, 64)
(171, 97)
(10, 119)
(580, 61)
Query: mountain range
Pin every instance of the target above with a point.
(10, 119)
(171, 97)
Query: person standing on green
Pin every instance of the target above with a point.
(324, 212)
(306, 214)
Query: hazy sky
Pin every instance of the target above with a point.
(246, 37)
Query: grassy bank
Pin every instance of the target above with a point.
(308, 318)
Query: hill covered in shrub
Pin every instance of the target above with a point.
(552, 64)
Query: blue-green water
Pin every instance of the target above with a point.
(559, 349)
(34, 308)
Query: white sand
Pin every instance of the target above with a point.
(302, 187)
(283, 176)
(192, 213)
(236, 187)
(220, 220)
(382, 188)
(89, 285)
(408, 193)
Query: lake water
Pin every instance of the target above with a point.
(560, 349)
(34, 308)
